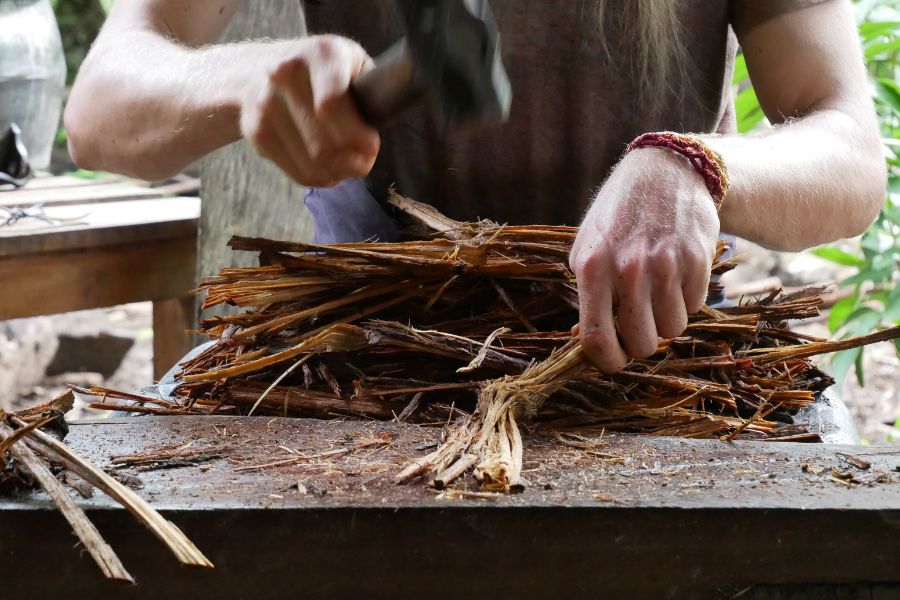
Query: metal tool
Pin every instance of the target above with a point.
(451, 55)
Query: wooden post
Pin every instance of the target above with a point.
(243, 193)
(171, 320)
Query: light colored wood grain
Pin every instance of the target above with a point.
(65, 189)
(83, 226)
(63, 281)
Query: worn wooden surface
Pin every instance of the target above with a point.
(646, 517)
(243, 193)
(170, 342)
(66, 189)
(90, 225)
(102, 244)
(61, 281)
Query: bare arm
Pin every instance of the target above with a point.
(819, 175)
(153, 96)
(643, 253)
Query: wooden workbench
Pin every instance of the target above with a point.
(631, 517)
(101, 244)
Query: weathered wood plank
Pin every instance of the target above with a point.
(67, 280)
(93, 225)
(647, 517)
(622, 470)
(63, 190)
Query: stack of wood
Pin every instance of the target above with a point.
(31, 458)
(468, 325)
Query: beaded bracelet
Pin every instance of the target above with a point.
(704, 159)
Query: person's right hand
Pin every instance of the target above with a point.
(299, 113)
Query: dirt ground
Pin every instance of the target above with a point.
(876, 407)
(132, 321)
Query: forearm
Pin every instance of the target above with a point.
(810, 181)
(146, 106)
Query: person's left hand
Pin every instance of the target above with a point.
(642, 256)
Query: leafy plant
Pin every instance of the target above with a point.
(874, 301)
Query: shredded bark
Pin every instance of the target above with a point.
(467, 326)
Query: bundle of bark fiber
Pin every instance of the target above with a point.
(31, 458)
(468, 325)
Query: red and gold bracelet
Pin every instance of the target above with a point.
(704, 159)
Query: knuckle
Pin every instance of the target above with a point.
(664, 261)
(593, 342)
(588, 264)
(325, 46)
(287, 70)
(699, 261)
(630, 267)
(359, 168)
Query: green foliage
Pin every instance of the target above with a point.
(85, 174)
(79, 23)
(875, 298)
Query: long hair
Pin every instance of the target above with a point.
(658, 59)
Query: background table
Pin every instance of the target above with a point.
(105, 243)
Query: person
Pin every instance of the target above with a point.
(589, 78)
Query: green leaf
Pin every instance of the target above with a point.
(889, 91)
(885, 260)
(874, 29)
(740, 70)
(876, 276)
(840, 311)
(858, 363)
(861, 321)
(871, 240)
(892, 306)
(747, 109)
(85, 174)
(838, 256)
(873, 50)
(841, 363)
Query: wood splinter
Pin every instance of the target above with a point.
(34, 450)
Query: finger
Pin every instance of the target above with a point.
(276, 138)
(318, 144)
(292, 143)
(669, 312)
(637, 327)
(695, 283)
(598, 330)
(334, 107)
(275, 150)
(330, 159)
